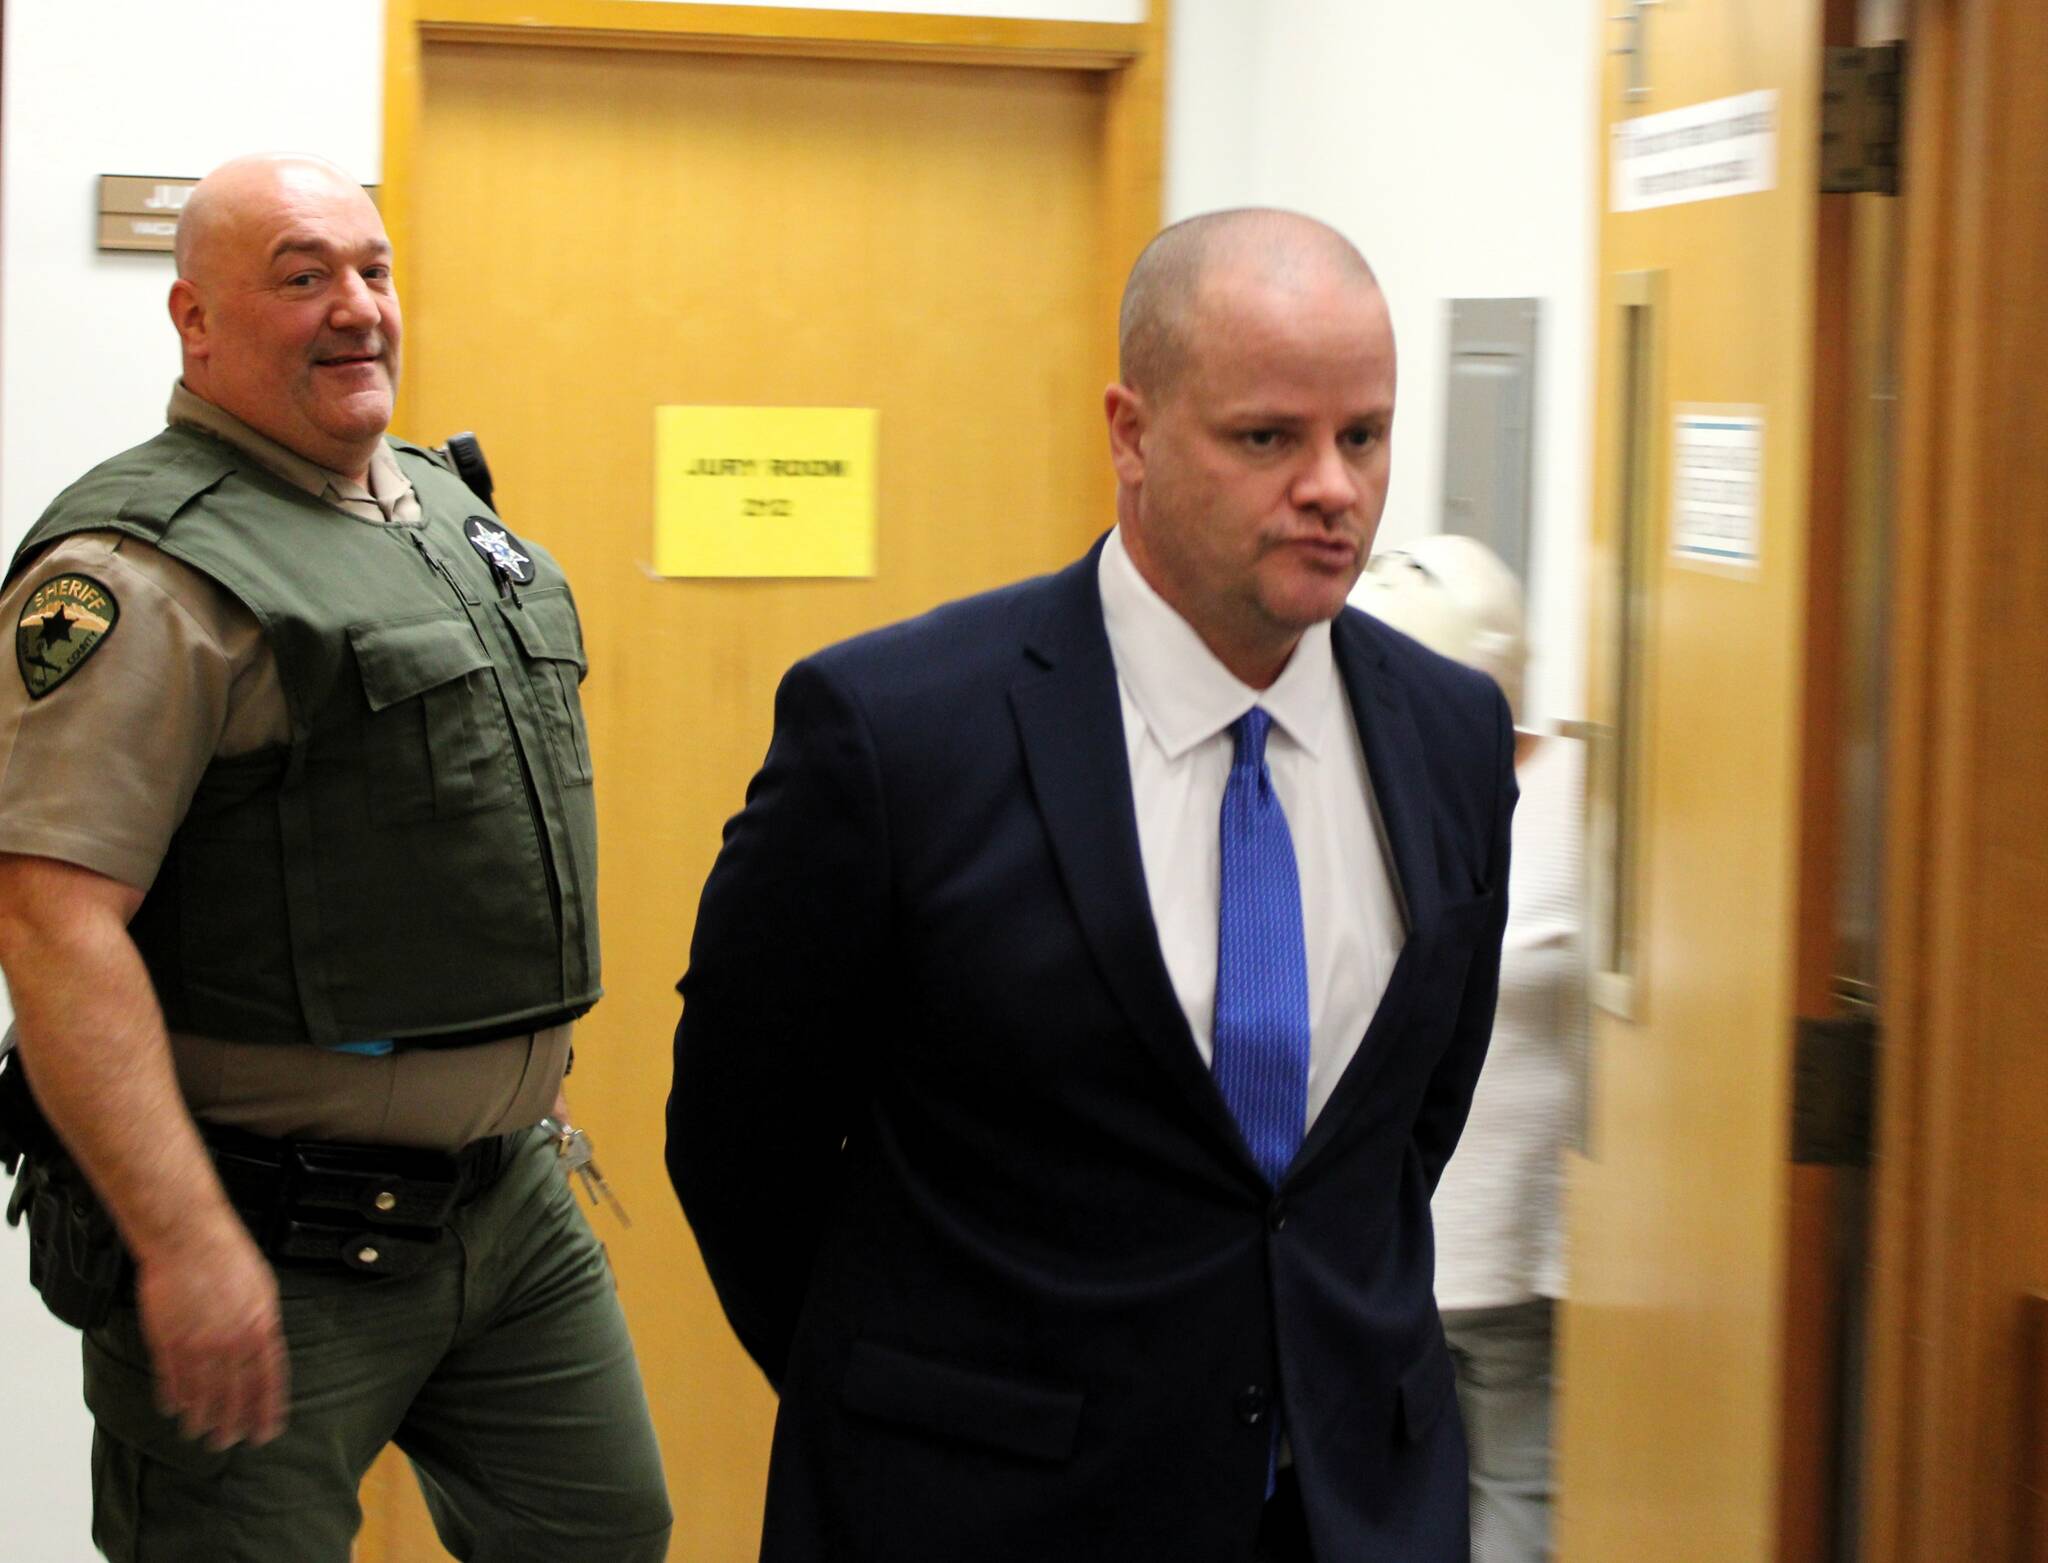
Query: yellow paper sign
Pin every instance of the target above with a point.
(753, 491)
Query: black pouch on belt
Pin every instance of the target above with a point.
(23, 1129)
(75, 1257)
(380, 1210)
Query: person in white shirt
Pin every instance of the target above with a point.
(1499, 1256)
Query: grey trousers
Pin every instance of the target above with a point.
(1503, 1358)
(505, 1373)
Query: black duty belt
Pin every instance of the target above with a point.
(377, 1209)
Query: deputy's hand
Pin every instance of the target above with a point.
(216, 1340)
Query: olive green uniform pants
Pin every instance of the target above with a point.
(503, 1371)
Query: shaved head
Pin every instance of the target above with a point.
(224, 196)
(1282, 249)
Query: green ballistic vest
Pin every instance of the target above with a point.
(421, 859)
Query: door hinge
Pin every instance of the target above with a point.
(1862, 100)
(1834, 1090)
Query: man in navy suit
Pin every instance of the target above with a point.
(1085, 1003)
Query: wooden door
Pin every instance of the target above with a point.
(1686, 1334)
(589, 233)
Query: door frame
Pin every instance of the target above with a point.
(1951, 1473)
(1129, 58)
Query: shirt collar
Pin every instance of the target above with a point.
(1184, 693)
(388, 489)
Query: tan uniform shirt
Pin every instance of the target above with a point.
(100, 771)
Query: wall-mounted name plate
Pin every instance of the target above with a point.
(140, 211)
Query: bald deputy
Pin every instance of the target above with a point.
(1091, 990)
(297, 908)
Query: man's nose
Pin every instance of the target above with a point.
(353, 307)
(1326, 484)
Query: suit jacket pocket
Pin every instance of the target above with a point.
(965, 1405)
(1425, 1387)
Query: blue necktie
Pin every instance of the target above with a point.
(1262, 1032)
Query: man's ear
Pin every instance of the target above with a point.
(188, 316)
(1128, 418)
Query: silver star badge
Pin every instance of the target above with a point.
(497, 547)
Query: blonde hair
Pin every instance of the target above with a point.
(1456, 596)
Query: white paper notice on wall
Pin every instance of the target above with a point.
(1717, 463)
(1697, 153)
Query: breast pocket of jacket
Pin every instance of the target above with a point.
(435, 740)
(544, 623)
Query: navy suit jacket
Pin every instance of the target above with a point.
(966, 1191)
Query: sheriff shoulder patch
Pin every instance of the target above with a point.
(66, 619)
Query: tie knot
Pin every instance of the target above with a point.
(1248, 732)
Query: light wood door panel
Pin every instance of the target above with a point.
(598, 233)
(1674, 1338)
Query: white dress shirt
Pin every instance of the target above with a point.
(1178, 704)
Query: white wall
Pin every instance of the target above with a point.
(140, 87)
(1454, 145)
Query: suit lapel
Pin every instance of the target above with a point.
(1070, 722)
(1393, 759)
(1400, 785)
